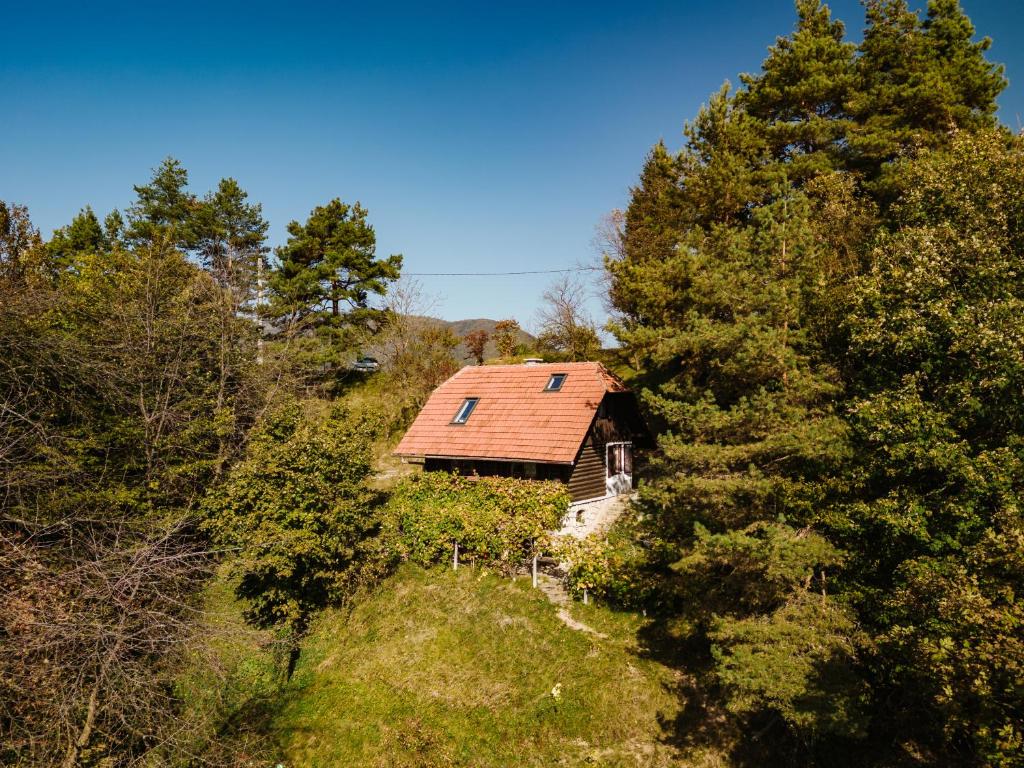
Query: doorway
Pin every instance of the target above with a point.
(619, 464)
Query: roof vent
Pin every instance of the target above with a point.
(533, 361)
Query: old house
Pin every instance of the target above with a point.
(571, 422)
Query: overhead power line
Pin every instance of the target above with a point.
(500, 274)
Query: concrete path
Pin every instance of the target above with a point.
(555, 592)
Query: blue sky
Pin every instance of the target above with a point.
(481, 136)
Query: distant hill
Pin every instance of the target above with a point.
(461, 327)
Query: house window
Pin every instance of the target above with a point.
(462, 416)
(555, 382)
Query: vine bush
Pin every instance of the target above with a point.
(497, 520)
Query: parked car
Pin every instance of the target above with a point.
(366, 365)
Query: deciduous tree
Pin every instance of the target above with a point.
(476, 343)
(565, 327)
(506, 337)
(295, 513)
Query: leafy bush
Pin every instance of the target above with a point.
(494, 519)
(615, 568)
(298, 514)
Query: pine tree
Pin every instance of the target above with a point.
(164, 208)
(822, 291)
(649, 235)
(230, 239)
(327, 275)
(918, 82)
(968, 83)
(801, 93)
(84, 235)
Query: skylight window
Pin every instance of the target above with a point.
(462, 416)
(555, 382)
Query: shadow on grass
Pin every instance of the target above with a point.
(704, 725)
(246, 737)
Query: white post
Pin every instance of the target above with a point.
(585, 600)
(535, 571)
(455, 558)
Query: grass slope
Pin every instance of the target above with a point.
(437, 668)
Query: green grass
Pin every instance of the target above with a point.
(436, 668)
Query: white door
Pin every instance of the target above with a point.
(619, 464)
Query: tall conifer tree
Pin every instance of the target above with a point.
(918, 82)
(801, 93)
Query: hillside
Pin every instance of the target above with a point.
(461, 327)
(444, 669)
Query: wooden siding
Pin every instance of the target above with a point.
(487, 468)
(588, 475)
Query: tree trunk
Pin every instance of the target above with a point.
(71, 760)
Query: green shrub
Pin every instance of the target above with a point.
(297, 516)
(496, 520)
(615, 568)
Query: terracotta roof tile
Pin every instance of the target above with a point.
(514, 418)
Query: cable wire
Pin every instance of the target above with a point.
(500, 274)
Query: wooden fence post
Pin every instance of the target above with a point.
(534, 547)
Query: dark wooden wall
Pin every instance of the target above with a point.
(485, 468)
(588, 474)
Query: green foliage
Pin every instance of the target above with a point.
(322, 291)
(494, 519)
(128, 386)
(799, 661)
(918, 81)
(756, 569)
(164, 208)
(294, 515)
(614, 568)
(823, 291)
(328, 265)
(748, 402)
(934, 523)
(83, 235)
(230, 239)
(801, 93)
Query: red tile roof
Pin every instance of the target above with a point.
(515, 418)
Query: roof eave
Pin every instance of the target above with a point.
(482, 458)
